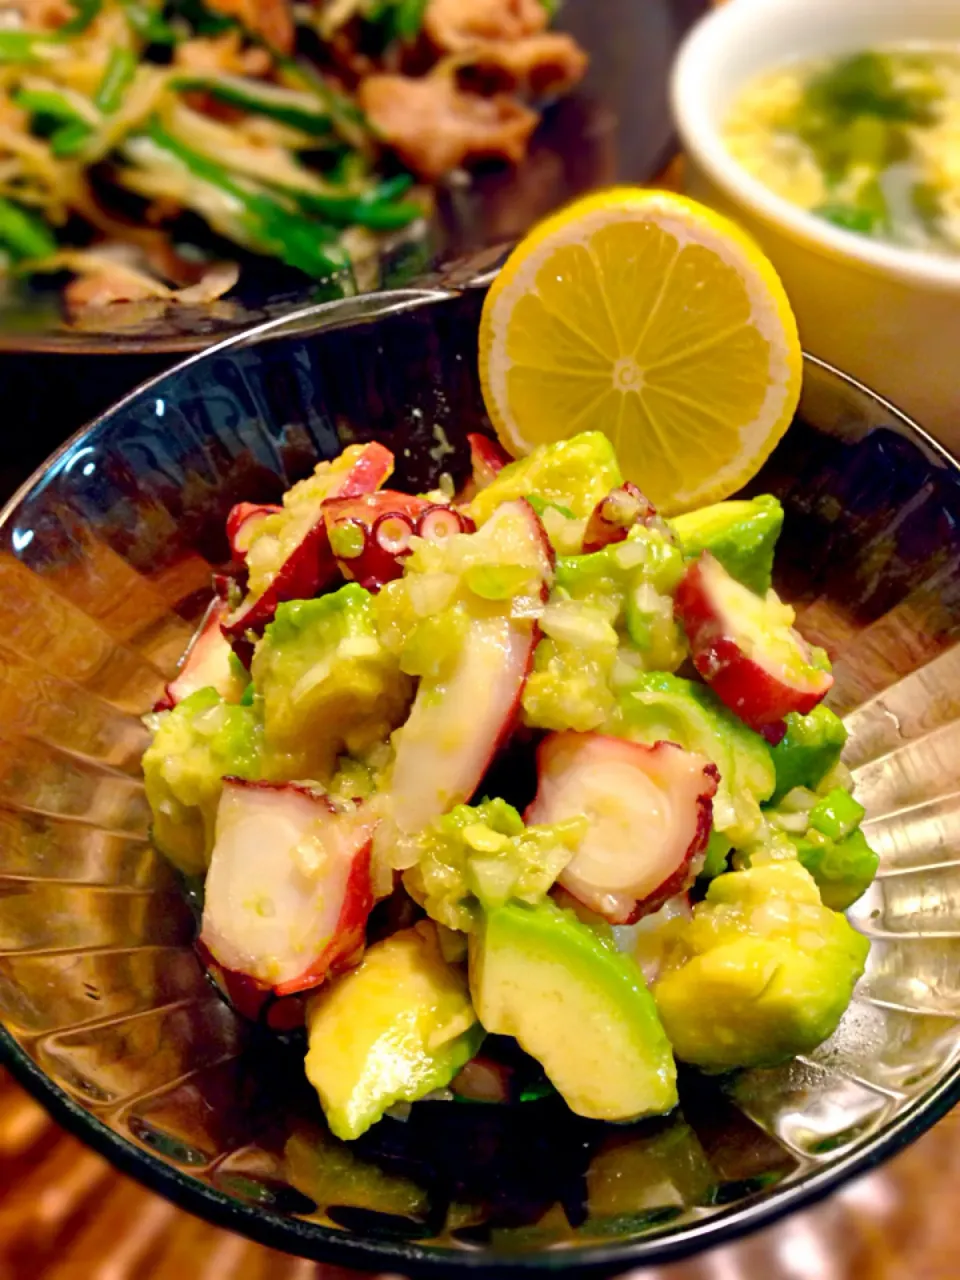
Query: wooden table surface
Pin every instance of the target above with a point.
(65, 1214)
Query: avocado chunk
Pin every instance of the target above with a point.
(573, 474)
(662, 707)
(325, 683)
(763, 971)
(578, 1006)
(202, 740)
(741, 534)
(809, 749)
(392, 1030)
(571, 684)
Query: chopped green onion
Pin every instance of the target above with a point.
(537, 1090)
(864, 85)
(398, 19)
(25, 46)
(346, 211)
(87, 10)
(264, 100)
(203, 20)
(346, 168)
(346, 117)
(276, 229)
(23, 233)
(57, 120)
(377, 208)
(541, 506)
(408, 18)
(869, 213)
(119, 72)
(148, 24)
(837, 814)
(69, 138)
(47, 102)
(392, 188)
(847, 217)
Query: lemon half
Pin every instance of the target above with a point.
(648, 317)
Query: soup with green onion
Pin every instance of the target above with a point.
(869, 142)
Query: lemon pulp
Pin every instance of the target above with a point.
(648, 317)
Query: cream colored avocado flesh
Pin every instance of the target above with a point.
(392, 1030)
(578, 1006)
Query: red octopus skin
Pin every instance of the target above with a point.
(330, 900)
(627, 506)
(240, 519)
(760, 696)
(311, 566)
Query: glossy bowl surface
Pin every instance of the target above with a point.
(105, 561)
(888, 315)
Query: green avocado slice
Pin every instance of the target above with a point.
(741, 534)
(573, 474)
(392, 1030)
(578, 1006)
(761, 972)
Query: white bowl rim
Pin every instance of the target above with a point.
(701, 139)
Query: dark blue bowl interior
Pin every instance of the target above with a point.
(105, 564)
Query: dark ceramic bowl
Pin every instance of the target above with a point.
(105, 560)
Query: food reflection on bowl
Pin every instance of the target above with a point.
(842, 164)
(105, 565)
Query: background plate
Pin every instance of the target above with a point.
(615, 128)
